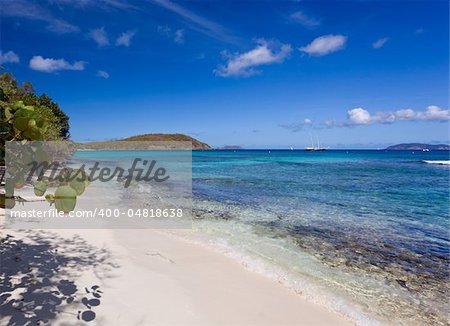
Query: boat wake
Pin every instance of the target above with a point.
(437, 162)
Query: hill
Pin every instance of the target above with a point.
(165, 141)
(418, 147)
(196, 144)
(228, 147)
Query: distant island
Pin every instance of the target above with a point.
(418, 147)
(227, 147)
(165, 141)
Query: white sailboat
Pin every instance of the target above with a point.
(315, 148)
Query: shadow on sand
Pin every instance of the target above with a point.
(37, 277)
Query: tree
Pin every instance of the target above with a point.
(56, 119)
(44, 100)
(27, 117)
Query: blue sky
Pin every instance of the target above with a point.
(357, 74)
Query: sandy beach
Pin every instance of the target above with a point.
(229, 265)
(199, 165)
(149, 277)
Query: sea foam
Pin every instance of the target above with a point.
(437, 162)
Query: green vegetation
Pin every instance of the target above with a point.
(14, 97)
(196, 144)
(28, 117)
(166, 142)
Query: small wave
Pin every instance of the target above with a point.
(305, 289)
(437, 162)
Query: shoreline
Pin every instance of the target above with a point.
(301, 286)
(164, 279)
(148, 261)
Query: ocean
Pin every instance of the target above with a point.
(363, 232)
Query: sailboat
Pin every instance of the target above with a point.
(315, 148)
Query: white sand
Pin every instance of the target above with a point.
(151, 277)
(164, 280)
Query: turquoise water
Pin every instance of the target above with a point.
(362, 232)
(376, 223)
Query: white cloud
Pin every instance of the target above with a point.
(295, 127)
(434, 113)
(33, 11)
(102, 74)
(197, 22)
(164, 30)
(405, 114)
(8, 57)
(99, 36)
(125, 38)
(52, 65)
(243, 64)
(303, 19)
(380, 43)
(360, 116)
(325, 44)
(333, 123)
(102, 4)
(179, 36)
